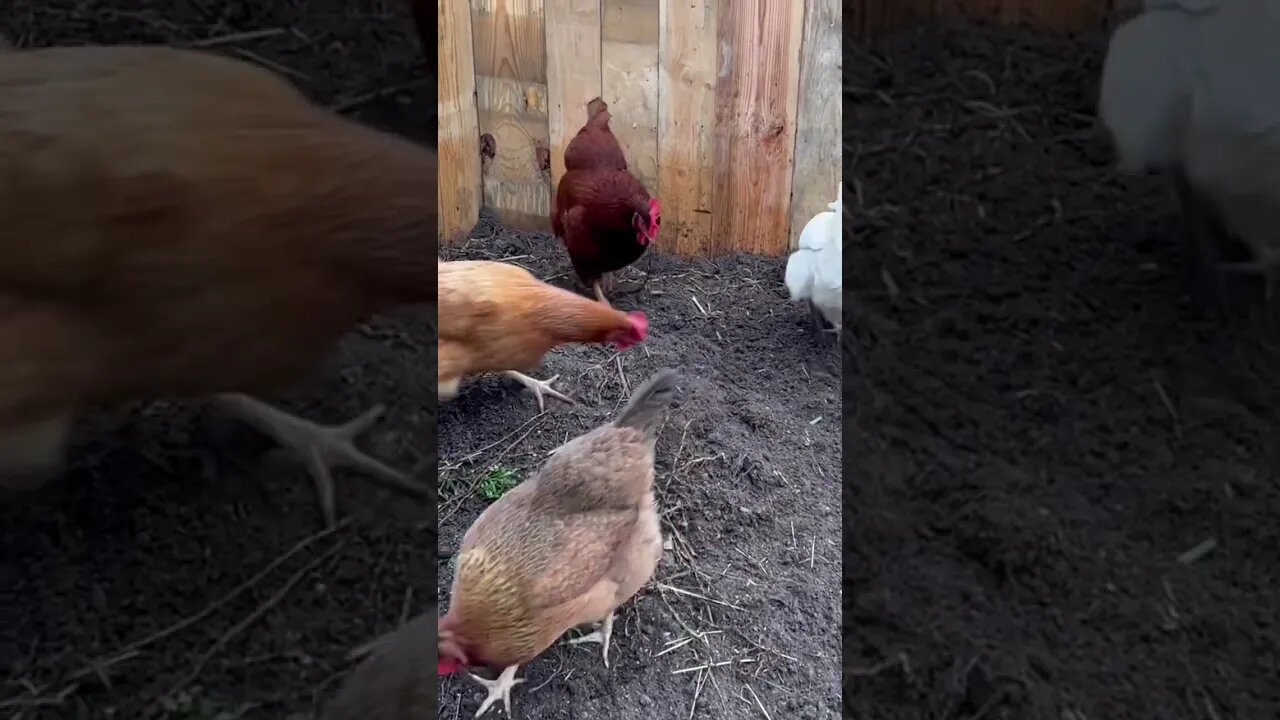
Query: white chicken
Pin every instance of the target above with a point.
(814, 271)
(1189, 87)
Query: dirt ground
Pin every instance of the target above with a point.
(1044, 429)
(167, 510)
(748, 469)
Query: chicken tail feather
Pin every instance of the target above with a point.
(649, 402)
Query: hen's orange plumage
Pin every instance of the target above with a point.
(565, 547)
(602, 212)
(497, 317)
(179, 223)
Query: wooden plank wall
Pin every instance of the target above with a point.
(728, 110)
(459, 130)
(629, 53)
(686, 107)
(509, 37)
(573, 72)
(818, 145)
(876, 17)
(757, 86)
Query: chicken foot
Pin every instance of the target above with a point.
(499, 689)
(815, 318)
(601, 636)
(600, 293)
(607, 283)
(321, 447)
(540, 388)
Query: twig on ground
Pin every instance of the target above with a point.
(271, 64)
(898, 661)
(758, 703)
(697, 596)
(697, 691)
(133, 649)
(252, 618)
(373, 96)
(1198, 552)
(29, 701)
(622, 376)
(233, 38)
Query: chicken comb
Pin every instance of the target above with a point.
(640, 322)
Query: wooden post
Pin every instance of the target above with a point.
(817, 156)
(756, 100)
(686, 111)
(458, 137)
(573, 72)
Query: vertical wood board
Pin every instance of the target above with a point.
(686, 111)
(629, 61)
(510, 61)
(573, 72)
(756, 102)
(459, 196)
(817, 152)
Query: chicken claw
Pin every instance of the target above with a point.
(611, 285)
(600, 293)
(499, 689)
(601, 636)
(321, 447)
(815, 317)
(540, 388)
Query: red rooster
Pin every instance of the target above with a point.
(603, 213)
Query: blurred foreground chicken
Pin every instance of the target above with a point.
(564, 548)
(497, 317)
(177, 223)
(392, 683)
(814, 271)
(602, 212)
(1189, 87)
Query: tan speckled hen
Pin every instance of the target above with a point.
(564, 548)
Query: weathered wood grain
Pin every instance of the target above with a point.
(573, 72)
(817, 153)
(755, 124)
(629, 57)
(458, 135)
(511, 90)
(686, 117)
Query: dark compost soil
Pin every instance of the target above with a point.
(166, 509)
(1042, 424)
(748, 468)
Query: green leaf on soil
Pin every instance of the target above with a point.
(497, 483)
